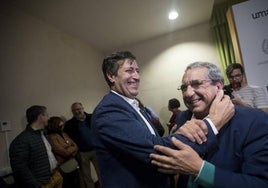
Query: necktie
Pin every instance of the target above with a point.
(144, 113)
(147, 117)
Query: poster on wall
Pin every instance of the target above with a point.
(251, 22)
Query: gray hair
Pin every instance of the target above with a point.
(214, 73)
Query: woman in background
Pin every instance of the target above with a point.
(173, 106)
(63, 148)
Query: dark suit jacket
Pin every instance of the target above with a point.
(72, 129)
(241, 157)
(123, 144)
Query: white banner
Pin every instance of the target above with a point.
(251, 21)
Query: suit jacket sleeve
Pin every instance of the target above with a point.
(240, 158)
(117, 126)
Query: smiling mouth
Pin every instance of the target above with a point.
(192, 102)
(135, 84)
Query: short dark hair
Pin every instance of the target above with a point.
(174, 103)
(112, 63)
(233, 66)
(33, 112)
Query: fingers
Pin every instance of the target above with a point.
(194, 130)
(165, 150)
(229, 108)
(226, 99)
(174, 127)
(183, 159)
(159, 160)
(202, 130)
(163, 160)
(221, 110)
(166, 162)
(187, 131)
(198, 135)
(203, 126)
(219, 96)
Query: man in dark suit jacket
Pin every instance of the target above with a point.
(241, 156)
(79, 130)
(122, 136)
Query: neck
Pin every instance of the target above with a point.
(37, 126)
(199, 115)
(174, 109)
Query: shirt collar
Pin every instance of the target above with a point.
(132, 102)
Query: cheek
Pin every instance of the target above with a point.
(184, 98)
(211, 94)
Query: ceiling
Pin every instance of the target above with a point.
(110, 24)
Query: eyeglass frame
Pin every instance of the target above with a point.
(235, 76)
(193, 83)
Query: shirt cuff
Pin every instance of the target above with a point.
(213, 127)
(206, 175)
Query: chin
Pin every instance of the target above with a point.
(135, 94)
(198, 110)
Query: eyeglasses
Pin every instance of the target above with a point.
(235, 76)
(193, 83)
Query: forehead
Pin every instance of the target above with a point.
(129, 63)
(77, 106)
(198, 73)
(236, 71)
(45, 112)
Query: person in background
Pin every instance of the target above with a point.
(243, 94)
(153, 117)
(79, 130)
(32, 161)
(240, 157)
(173, 106)
(124, 138)
(64, 149)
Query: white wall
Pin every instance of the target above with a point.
(163, 61)
(42, 65)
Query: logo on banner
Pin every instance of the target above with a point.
(265, 46)
(259, 14)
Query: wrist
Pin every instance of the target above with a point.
(200, 169)
(212, 125)
(216, 122)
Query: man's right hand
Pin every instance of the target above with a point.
(221, 110)
(183, 159)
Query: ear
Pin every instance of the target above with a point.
(219, 85)
(39, 117)
(110, 77)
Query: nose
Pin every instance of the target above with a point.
(189, 91)
(136, 75)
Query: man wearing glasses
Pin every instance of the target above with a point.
(243, 94)
(124, 138)
(240, 157)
